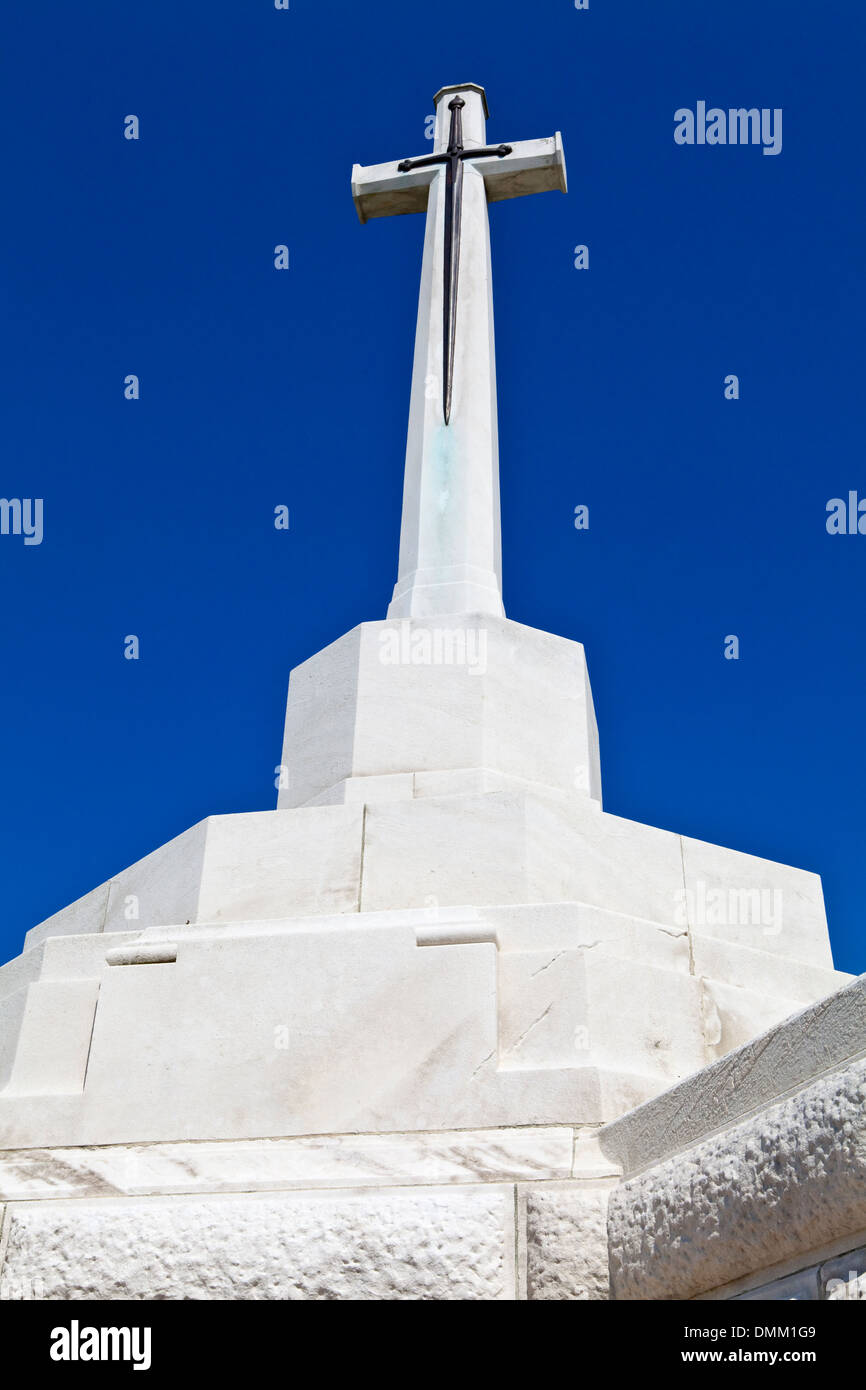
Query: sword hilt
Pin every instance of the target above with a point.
(455, 135)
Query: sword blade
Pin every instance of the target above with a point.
(453, 217)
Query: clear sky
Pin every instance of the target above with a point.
(261, 387)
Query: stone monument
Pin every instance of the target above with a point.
(412, 1033)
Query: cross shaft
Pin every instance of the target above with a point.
(450, 541)
(453, 159)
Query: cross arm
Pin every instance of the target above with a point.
(530, 166)
(533, 166)
(384, 190)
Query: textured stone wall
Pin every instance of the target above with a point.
(566, 1243)
(788, 1180)
(388, 1245)
(336, 1218)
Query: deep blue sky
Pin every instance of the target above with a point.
(260, 387)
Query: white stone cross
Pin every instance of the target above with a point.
(450, 548)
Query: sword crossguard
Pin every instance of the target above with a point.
(500, 151)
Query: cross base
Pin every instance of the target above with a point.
(457, 589)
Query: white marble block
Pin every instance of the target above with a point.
(401, 699)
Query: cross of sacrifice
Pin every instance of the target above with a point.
(450, 545)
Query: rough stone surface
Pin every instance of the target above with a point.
(791, 1179)
(566, 1243)
(424, 1244)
